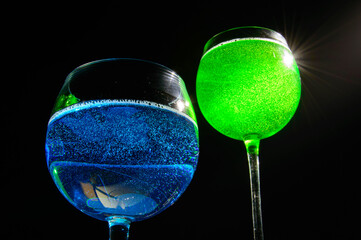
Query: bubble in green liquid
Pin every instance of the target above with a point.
(248, 87)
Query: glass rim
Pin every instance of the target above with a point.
(245, 32)
(91, 63)
(151, 83)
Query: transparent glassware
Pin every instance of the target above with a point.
(122, 141)
(248, 88)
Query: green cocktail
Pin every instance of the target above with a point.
(248, 88)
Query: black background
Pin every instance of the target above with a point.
(308, 170)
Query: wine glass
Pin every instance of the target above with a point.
(248, 88)
(122, 141)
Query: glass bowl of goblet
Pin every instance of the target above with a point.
(122, 141)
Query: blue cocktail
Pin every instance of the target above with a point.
(123, 160)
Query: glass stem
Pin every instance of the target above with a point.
(252, 147)
(118, 228)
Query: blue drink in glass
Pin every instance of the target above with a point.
(121, 157)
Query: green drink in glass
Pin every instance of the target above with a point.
(248, 88)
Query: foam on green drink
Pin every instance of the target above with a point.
(248, 87)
